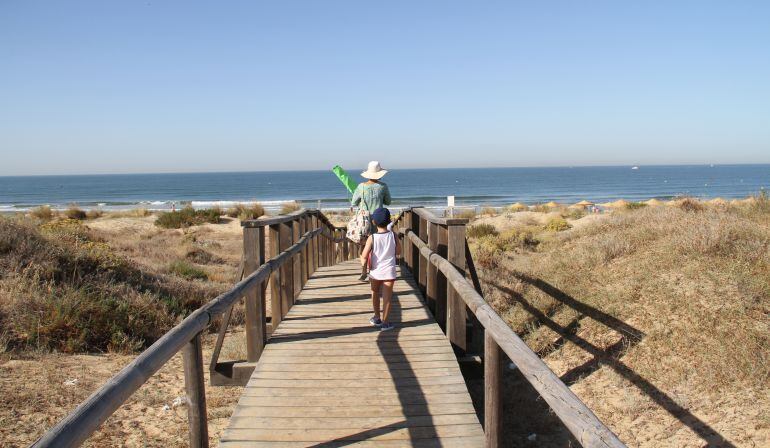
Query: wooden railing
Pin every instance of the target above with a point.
(435, 250)
(299, 244)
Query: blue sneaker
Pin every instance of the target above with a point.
(375, 321)
(387, 326)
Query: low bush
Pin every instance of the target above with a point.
(75, 213)
(64, 290)
(635, 205)
(557, 224)
(691, 205)
(290, 207)
(187, 217)
(187, 270)
(44, 213)
(244, 212)
(489, 211)
(94, 213)
(465, 214)
(518, 207)
(479, 230)
(573, 213)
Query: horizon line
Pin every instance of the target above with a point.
(145, 173)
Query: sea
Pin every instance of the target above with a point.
(471, 187)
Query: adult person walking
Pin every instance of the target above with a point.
(368, 197)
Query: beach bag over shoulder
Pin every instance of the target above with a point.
(358, 226)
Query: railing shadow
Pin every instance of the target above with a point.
(610, 356)
(414, 404)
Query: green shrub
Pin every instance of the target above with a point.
(187, 270)
(557, 224)
(479, 230)
(62, 290)
(44, 213)
(290, 207)
(573, 213)
(188, 216)
(635, 205)
(518, 238)
(75, 213)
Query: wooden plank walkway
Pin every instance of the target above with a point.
(327, 378)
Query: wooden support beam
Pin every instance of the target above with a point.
(253, 257)
(422, 279)
(456, 312)
(297, 262)
(441, 281)
(493, 389)
(287, 270)
(196, 393)
(276, 313)
(415, 261)
(431, 275)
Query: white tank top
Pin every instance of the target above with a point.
(383, 261)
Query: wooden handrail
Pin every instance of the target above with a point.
(575, 415)
(78, 425)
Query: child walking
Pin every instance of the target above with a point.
(380, 252)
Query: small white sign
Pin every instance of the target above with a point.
(450, 201)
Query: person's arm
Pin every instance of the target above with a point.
(367, 249)
(386, 195)
(356, 196)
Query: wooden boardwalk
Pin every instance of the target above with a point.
(328, 378)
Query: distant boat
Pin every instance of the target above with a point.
(634, 167)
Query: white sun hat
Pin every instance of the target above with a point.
(374, 171)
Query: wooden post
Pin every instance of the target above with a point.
(407, 248)
(345, 248)
(287, 277)
(415, 261)
(275, 278)
(297, 270)
(456, 311)
(196, 393)
(315, 258)
(422, 272)
(493, 388)
(253, 257)
(303, 253)
(431, 275)
(441, 281)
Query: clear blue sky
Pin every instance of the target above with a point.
(151, 86)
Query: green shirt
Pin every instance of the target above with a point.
(370, 197)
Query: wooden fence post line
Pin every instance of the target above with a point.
(255, 313)
(441, 281)
(422, 278)
(493, 387)
(431, 275)
(275, 278)
(287, 277)
(297, 269)
(415, 258)
(456, 311)
(196, 393)
(312, 254)
(408, 246)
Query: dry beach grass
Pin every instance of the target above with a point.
(657, 317)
